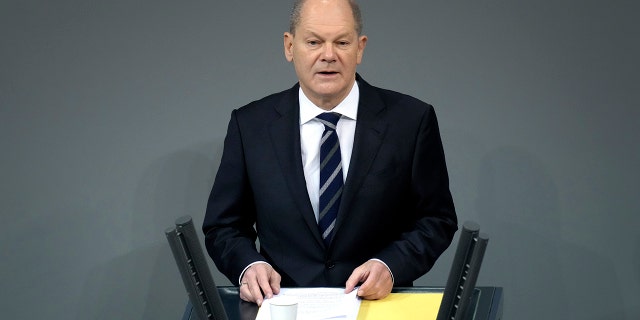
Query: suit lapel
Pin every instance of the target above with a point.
(285, 137)
(370, 130)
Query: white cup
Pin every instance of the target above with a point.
(283, 308)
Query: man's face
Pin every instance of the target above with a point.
(325, 51)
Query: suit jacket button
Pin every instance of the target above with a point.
(329, 264)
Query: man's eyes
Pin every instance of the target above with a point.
(314, 43)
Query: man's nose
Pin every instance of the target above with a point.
(328, 53)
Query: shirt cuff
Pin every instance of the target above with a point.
(391, 273)
(249, 266)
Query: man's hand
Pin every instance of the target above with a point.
(375, 278)
(258, 282)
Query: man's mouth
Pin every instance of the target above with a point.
(327, 73)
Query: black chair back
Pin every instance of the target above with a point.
(197, 279)
(464, 273)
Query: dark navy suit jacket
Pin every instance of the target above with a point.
(396, 204)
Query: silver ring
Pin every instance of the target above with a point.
(242, 284)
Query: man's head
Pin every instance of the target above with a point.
(325, 47)
(294, 20)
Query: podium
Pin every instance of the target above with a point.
(486, 303)
(461, 299)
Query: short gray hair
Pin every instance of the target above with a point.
(294, 20)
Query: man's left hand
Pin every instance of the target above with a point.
(375, 278)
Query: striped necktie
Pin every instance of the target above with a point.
(331, 179)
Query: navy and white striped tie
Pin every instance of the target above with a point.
(331, 179)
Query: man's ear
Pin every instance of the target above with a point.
(362, 43)
(288, 46)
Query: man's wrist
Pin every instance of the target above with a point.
(249, 266)
(391, 273)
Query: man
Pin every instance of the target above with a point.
(382, 214)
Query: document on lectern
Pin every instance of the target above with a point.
(318, 304)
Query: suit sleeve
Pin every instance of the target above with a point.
(433, 212)
(230, 216)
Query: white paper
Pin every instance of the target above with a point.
(318, 304)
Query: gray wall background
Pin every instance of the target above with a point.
(113, 113)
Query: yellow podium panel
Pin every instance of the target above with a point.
(405, 306)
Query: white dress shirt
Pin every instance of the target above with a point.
(311, 130)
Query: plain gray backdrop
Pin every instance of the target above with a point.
(113, 113)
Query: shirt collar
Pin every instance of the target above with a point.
(347, 108)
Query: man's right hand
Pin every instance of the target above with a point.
(258, 282)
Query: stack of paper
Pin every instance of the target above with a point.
(333, 303)
(318, 304)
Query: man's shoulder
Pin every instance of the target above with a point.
(394, 99)
(392, 95)
(268, 103)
